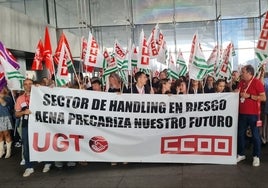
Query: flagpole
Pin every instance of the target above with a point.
(189, 84)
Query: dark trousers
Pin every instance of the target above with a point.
(245, 120)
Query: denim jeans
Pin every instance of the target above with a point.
(25, 144)
(245, 120)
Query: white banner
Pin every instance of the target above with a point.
(82, 125)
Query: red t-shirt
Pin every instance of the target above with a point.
(250, 106)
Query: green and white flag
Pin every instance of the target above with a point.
(120, 56)
(134, 56)
(197, 64)
(213, 61)
(182, 64)
(13, 76)
(109, 65)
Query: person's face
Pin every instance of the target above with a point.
(143, 79)
(167, 85)
(195, 82)
(112, 81)
(210, 81)
(45, 81)
(235, 75)
(245, 75)
(183, 87)
(27, 85)
(96, 87)
(220, 87)
(162, 75)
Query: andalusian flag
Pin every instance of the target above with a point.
(197, 64)
(109, 65)
(182, 64)
(120, 56)
(134, 56)
(213, 61)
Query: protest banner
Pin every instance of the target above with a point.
(80, 125)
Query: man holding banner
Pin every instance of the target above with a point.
(251, 94)
(23, 112)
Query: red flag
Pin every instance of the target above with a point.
(48, 53)
(38, 57)
(63, 40)
(88, 68)
(84, 48)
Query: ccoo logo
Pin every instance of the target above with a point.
(98, 144)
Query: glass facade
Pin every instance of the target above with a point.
(216, 21)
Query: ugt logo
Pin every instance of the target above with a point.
(197, 144)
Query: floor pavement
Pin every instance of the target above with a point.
(137, 175)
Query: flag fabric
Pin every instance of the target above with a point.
(109, 65)
(9, 74)
(261, 49)
(6, 54)
(62, 41)
(213, 61)
(48, 53)
(226, 66)
(86, 68)
(143, 54)
(38, 57)
(94, 56)
(162, 49)
(218, 64)
(197, 63)
(181, 63)
(120, 56)
(64, 60)
(173, 71)
(134, 56)
(83, 48)
(3, 81)
(124, 76)
(13, 77)
(152, 42)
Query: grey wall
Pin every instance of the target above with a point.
(22, 33)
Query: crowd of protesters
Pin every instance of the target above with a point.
(14, 113)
